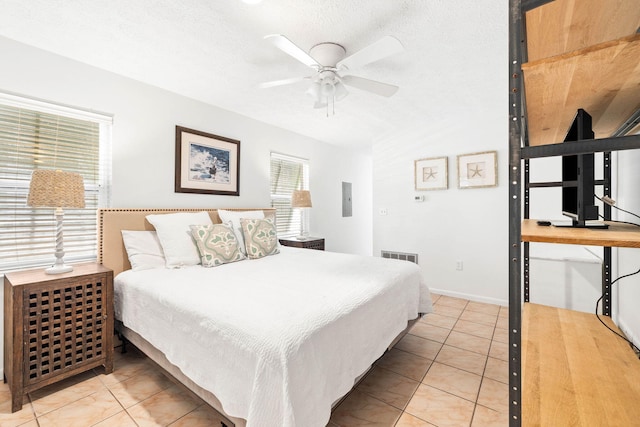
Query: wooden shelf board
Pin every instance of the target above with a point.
(620, 235)
(563, 26)
(602, 79)
(575, 371)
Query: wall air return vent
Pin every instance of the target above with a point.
(400, 255)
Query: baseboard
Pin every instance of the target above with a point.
(476, 298)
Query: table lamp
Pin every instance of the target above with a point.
(56, 189)
(301, 199)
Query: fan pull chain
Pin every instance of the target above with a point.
(333, 105)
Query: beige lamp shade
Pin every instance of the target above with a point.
(56, 189)
(301, 199)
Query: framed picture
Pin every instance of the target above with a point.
(478, 170)
(431, 174)
(206, 163)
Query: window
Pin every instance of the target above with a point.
(287, 174)
(38, 135)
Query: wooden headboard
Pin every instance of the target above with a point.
(111, 222)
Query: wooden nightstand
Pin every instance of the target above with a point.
(56, 326)
(309, 243)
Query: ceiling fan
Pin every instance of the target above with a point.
(333, 68)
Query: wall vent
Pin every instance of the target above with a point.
(400, 255)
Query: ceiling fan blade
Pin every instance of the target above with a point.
(287, 46)
(283, 82)
(379, 88)
(384, 47)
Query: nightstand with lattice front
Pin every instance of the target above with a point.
(308, 243)
(56, 326)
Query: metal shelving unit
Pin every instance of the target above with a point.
(520, 151)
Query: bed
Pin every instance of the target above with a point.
(271, 341)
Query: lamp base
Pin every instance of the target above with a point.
(59, 269)
(302, 237)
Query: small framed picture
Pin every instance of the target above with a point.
(206, 163)
(477, 170)
(431, 174)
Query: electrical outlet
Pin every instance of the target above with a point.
(459, 265)
(383, 211)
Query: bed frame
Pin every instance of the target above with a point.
(112, 254)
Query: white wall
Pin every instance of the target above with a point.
(144, 139)
(626, 292)
(464, 109)
(468, 225)
(466, 113)
(563, 282)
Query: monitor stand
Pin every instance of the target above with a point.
(580, 224)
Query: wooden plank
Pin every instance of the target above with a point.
(575, 371)
(617, 235)
(545, 376)
(601, 79)
(563, 26)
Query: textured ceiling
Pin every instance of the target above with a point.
(213, 51)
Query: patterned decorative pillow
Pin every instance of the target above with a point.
(260, 237)
(233, 218)
(217, 244)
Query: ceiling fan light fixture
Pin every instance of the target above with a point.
(327, 89)
(314, 91)
(340, 91)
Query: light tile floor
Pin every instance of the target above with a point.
(450, 370)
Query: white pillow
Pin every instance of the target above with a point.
(174, 232)
(234, 218)
(143, 249)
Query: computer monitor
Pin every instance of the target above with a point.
(578, 178)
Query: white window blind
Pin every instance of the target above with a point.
(287, 174)
(38, 135)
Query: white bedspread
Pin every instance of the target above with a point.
(277, 339)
